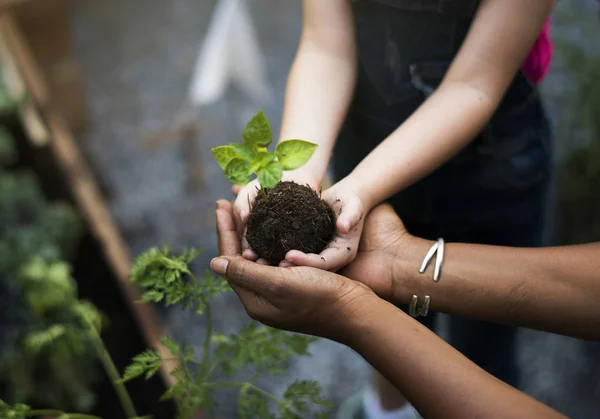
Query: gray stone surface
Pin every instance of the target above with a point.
(137, 57)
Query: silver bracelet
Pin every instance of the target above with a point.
(437, 247)
(423, 310)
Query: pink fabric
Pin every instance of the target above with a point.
(537, 63)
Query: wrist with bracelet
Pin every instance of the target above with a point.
(437, 250)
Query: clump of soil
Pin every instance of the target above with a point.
(292, 217)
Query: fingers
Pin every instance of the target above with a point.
(249, 254)
(244, 201)
(331, 259)
(251, 276)
(285, 264)
(351, 214)
(235, 189)
(241, 230)
(229, 240)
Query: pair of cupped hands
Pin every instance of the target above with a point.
(310, 299)
(342, 197)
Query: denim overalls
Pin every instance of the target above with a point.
(493, 191)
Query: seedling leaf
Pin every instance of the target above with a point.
(258, 132)
(270, 174)
(224, 154)
(262, 159)
(245, 151)
(292, 154)
(237, 172)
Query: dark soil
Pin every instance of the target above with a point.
(292, 217)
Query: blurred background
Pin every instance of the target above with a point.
(113, 80)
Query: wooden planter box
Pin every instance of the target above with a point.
(104, 261)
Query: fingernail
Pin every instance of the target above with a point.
(346, 225)
(219, 265)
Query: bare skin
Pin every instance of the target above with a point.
(555, 289)
(438, 380)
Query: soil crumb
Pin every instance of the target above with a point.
(293, 217)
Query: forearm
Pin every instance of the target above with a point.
(500, 37)
(437, 379)
(320, 86)
(439, 129)
(551, 289)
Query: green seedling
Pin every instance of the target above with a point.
(240, 161)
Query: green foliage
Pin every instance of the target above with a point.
(45, 354)
(22, 411)
(8, 102)
(292, 154)
(166, 278)
(18, 411)
(8, 151)
(263, 351)
(54, 362)
(240, 160)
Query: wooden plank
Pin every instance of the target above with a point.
(30, 117)
(85, 190)
(10, 3)
(67, 93)
(45, 26)
(21, 54)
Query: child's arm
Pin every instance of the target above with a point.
(500, 37)
(502, 34)
(319, 90)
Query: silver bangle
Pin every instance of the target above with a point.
(423, 310)
(437, 247)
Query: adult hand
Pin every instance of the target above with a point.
(349, 211)
(300, 299)
(384, 240)
(246, 196)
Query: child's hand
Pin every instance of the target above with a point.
(245, 197)
(349, 211)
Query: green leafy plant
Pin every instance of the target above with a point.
(240, 160)
(50, 339)
(45, 356)
(166, 278)
(23, 411)
(69, 340)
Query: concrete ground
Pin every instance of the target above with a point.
(137, 57)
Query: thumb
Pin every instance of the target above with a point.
(236, 189)
(351, 215)
(245, 198)
(248, 275)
